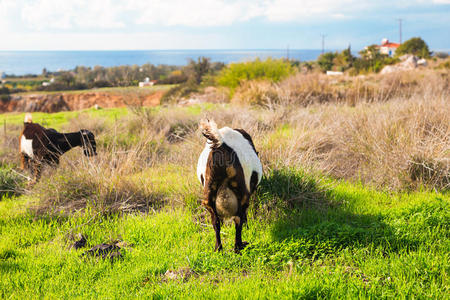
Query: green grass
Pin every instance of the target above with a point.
(363, 243)
(56, 120)
(310, 236)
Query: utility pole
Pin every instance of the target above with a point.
(400, 28)
(323, 42)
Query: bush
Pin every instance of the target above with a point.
(101, 84)
(4, 91)
(372, 60)
(325, 61)
(10, 183)
(270, 69)
(442, 55)
(415, 46)
(174, 79)
(179, 91)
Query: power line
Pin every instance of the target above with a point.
(400, 28)
(323, 42)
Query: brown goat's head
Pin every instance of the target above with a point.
(88, 143)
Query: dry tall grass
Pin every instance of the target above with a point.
(307, 89)
(394, 133)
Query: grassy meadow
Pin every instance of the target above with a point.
(354, 202)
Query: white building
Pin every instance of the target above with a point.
(387, 47)
(147, 82)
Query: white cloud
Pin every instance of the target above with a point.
(285, 10)
(73, 15)
(81, 14)
(196, 14)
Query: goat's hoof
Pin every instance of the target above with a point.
(238, 248)
(218, 248)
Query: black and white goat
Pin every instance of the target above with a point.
(39, 145)
(229, 170)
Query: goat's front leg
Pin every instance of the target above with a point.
(24, 161)
(36, 171)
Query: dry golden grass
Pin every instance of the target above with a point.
(306, 89)
(394, 134)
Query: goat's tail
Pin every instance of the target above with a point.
(210, 131)
(28, 118)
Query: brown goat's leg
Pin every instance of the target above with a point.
(209, 203)
(24, 162)
(239, 244)
(36, 171)
(216, 225)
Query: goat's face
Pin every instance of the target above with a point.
(89, 144)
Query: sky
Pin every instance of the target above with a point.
(218, 24)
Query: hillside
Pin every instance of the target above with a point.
(354, 202)
(51, 102)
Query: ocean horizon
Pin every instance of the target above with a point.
(33, 62)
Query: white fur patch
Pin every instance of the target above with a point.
(247, 157)
(26, 146)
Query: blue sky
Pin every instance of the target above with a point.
(218, 24)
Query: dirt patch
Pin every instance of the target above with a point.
(182, 274)
(76, 101)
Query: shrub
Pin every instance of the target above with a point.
(195, 70)
(174, 79)
(444, 65)
(4, 90)
(270, 69)
(178, 92)
(325, 61)
(101, 84)
(11, 183)
(415, 46)
(289, 188)
(442, 55)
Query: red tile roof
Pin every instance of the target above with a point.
(390, 45)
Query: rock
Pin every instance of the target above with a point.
(409, 63)
(182, 274)
(422, 62)
(405, 57)
(334, 73)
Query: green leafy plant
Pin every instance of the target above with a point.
(270, 69)
(415, 46)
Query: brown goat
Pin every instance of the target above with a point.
(229, 170)
(39, 145)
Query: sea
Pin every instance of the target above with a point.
(33, 62)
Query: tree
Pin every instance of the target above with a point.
(66, 78)
(415, 46)
(196, 70)
(344, 60)
(325, 61)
